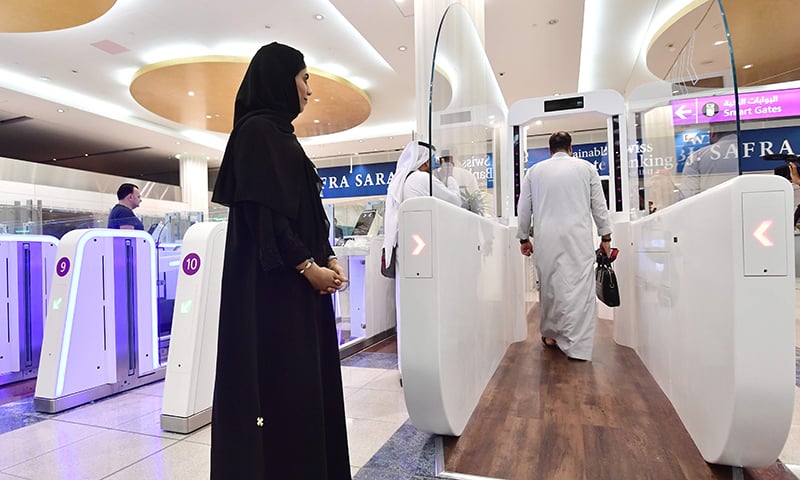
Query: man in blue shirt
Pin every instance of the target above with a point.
(122, 216)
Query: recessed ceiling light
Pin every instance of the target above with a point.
(538, 122)
(552, 21)
(177, 143)
(402, 48)
(719, 42)
(391, 138)
(361, 141)
(60, 110)
(316, 121)
(319, 17)
(44, 78)
(85, 154)
(208, 116)
(190, 93)
(749, 65)
(316, 100)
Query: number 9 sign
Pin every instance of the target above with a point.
(191, 264)
(62, 266)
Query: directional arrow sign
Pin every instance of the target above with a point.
(682, 111)
(420, 244)
(57, 303)
(186, 306)
(761, 233)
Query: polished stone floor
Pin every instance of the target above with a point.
(120, 438)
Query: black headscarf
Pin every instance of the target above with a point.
(269, 84)
(261, 161)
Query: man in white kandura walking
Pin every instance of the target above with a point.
(561, 195)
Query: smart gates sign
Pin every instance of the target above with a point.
(722, 108)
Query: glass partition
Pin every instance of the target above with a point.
(683, 110)
(467, 112)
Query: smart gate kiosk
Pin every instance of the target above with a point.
(603, 103)
(27, 262)
(191, 367)
(101, 334)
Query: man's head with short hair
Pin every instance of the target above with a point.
(128, 194)
(560, 142)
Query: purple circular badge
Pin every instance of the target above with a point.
(191, 264)
(62, 266)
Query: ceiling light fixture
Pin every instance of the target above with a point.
(60, 110)
(316, 100)
(719, 42)
(552, 21)
(319, 17)
(208, 116)
(44, 78)
(316, 121)
(749, 65)
(538, 122)
(402, 48)
(190, 93)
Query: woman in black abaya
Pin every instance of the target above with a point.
(278, 409)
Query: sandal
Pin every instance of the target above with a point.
(548, 345)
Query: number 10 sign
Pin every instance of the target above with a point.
(191, 264)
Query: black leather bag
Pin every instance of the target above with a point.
(388, 271)
(606, 286)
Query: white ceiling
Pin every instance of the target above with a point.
(534, 48)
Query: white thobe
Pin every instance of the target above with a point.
(418, 185)
(561, 195)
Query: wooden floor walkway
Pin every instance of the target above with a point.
(543, 416)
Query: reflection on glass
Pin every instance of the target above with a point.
(467, 112)
(684, 125)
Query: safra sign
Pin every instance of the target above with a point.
(360, 181)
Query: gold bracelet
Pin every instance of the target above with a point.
(308, 265)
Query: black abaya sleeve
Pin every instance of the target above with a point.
(278, 244)
(290, 247)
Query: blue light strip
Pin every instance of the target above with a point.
(154, 356)
(74, 282)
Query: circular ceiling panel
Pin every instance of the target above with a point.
(200, 92)
(18, 16)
